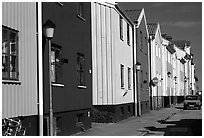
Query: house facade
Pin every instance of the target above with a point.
(71, 66)
(20, 64)
(141, 57)
(188, 70)
(180, 74)
(112, 61)
(156, 56)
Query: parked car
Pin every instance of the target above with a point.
(192, 101)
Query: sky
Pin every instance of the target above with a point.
(181, 20)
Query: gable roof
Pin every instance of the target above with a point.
(133, 15)
(182, 44)
(152, 27)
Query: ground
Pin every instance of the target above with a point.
(172, 121)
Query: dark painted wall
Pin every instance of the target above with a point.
(74, 35)
(142, 57)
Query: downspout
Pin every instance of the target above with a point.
(39, 65)
(133, 48)
(150, 73)
(137, 82)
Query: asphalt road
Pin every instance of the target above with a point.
(172, 121)
(186, 122)
(183, 123)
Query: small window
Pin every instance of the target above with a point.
(121, 27)
(80, 69)
(129, 78)
(56, 63)
(80, 10)
(79, 119)
(128, 34)
(122, 75)
(9, 54)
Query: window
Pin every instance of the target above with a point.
(128, 34)
(141, 40)
(156, 48)
(122, 75)
(80, 11)
(56, 63)
(80, 69)
(121, 27)
(9, 54)
(80, 119)
(129, 78)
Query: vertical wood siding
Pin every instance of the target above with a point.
(21, 99)
(108, 52)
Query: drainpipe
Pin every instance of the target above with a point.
(150, 72)
(39, 66)
(133, 48)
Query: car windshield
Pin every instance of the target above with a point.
(192, 98)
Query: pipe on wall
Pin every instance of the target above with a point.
(40, 65)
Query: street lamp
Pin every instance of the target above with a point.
(49, 28)
(138, 67)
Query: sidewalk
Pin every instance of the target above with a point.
(133, 126)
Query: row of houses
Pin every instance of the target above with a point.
(101, 57)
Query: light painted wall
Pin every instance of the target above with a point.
(180, 68)
(21, 99)
(165, 43)
(108, 53)
(156, 62)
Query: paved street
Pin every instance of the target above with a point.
(166, 121)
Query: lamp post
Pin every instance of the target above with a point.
(49, 27)
(138, 67)
(169, 76)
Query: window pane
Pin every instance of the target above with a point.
(121, 28)
(5, 47)
(81, 69)
(56, 65)
(5, 61)
(128, 34)
(13, 48)
(58, 72)
(129, 78)
(13, 37)
(13, 71)
(122, 76)
(4, 35)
